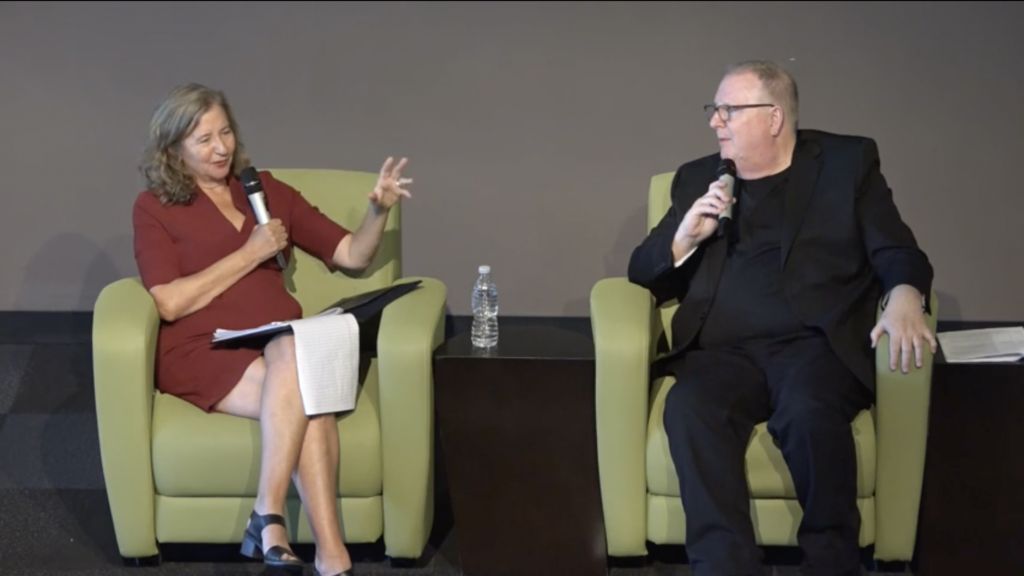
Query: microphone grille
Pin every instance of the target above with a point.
(727, 166)
(251, 180)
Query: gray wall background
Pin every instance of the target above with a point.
(532, 129)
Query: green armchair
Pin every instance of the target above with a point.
(639, 486)
(174, 473)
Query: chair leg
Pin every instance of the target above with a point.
(403, 562)
(146, 561)
(894, 567)
(633, 562)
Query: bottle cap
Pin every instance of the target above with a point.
(485, 269)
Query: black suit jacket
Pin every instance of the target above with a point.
(843, 244)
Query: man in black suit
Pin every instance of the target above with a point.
(776, 320)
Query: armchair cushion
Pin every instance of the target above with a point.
(209, 455)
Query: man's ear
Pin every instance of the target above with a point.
(778, 120)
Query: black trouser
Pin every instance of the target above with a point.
(809, 399)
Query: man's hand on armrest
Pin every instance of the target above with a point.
(903, 319)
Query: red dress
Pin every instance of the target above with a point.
(176, 241)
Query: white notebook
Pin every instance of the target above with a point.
(327, 356)
(983, 345)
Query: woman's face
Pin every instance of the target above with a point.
(207, 151)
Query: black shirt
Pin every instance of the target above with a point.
(750, 305)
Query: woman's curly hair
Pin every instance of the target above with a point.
(173, 120)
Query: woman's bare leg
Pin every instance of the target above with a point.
(316, 472)
(317, 481)
(274, 400)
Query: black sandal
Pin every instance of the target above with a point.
(252, 544)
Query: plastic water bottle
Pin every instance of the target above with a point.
(484, 332)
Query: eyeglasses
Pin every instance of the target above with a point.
(725, 110)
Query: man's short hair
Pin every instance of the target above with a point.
(778, 84)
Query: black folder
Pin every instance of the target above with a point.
(365, 307)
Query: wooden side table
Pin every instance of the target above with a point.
(518, 430)
(973, 495)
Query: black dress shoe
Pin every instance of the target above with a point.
(252, 544)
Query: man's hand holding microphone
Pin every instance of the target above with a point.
(710, 212)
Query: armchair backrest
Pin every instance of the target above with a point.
(658, 202)
(342, 196)
(659, 198)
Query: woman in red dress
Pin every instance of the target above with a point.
(209, 265)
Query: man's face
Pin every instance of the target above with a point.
(747, 134)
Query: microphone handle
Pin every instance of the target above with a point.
(725, 219)
(724, 222)
(259, 207)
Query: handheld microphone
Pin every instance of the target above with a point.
(727, 174)
(258, 200)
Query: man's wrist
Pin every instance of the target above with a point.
(888, 295)
(681, 249)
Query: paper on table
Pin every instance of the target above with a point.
(327, 356)
(983, 345)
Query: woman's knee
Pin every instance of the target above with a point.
(326, 423)
(282, 377)
(280, 351)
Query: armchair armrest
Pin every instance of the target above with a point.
(902, 402)
(622, 316)
(411, 328)
(124, 337)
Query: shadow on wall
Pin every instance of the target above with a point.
(70, 269)
(633, 231)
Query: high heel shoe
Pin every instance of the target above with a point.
(252, 544)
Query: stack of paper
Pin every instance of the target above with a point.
(220, 334)
(983, 345)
